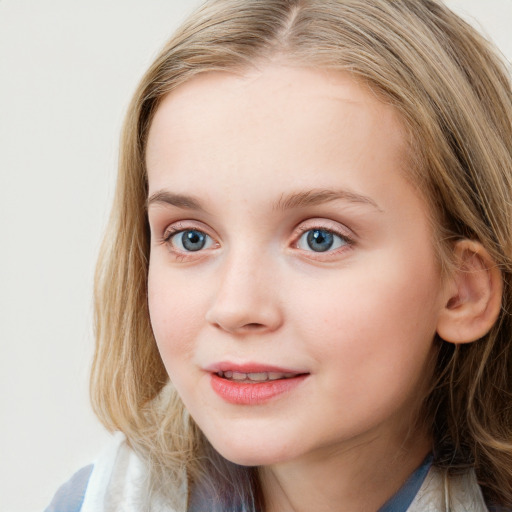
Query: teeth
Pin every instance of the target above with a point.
(258, 376)
(254, 377)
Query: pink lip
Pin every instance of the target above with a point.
(246, 393)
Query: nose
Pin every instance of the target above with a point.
(247, 298)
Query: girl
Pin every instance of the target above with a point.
(303, 299)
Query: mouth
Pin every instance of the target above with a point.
(255, 377)
(253, 384)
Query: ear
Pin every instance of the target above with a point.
(473, 295)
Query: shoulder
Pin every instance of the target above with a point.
(457, 493)
(89, 487)
(70, 496)
(118, 480)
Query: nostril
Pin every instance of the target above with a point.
(253, 326)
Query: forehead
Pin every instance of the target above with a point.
(271, 124)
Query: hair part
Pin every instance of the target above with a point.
(454, 96)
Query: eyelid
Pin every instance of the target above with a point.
(334, 227)
(187, 225)
(325, 225)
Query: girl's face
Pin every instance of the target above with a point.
(293, 285)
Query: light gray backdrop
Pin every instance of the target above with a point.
(67, 70)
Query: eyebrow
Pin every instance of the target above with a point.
(178, 200)
(315, 197)
(286, 202)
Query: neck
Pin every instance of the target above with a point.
(360, 477)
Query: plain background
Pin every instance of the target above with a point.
(67, 71)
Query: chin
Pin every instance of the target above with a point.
(251, 453)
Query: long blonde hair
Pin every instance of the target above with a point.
(454, 95)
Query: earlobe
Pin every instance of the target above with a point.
(473, 295)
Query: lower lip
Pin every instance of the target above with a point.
(244, 393)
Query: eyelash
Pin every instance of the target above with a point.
(174, 230)
(298, 233)
(348, 241)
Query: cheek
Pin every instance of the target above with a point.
(175, 313)
(372, 345)
(372, 321)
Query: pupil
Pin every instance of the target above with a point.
(319, 240)
(193, 240)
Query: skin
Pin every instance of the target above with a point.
(359, 319)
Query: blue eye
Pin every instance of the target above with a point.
(320, 240)
(190, 240)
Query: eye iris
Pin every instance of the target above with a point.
(193, 240)
(320, 240)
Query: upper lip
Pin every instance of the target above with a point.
(250, 367)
